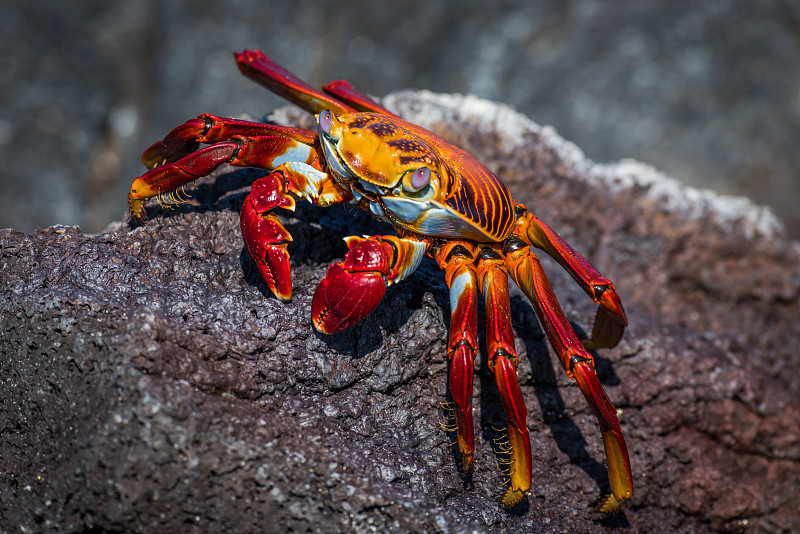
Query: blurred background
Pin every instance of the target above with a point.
(707, 91)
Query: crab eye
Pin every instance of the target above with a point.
(417, 180)
(325, 121)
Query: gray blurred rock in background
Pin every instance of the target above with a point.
(707, 91)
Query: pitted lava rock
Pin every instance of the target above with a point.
(150, 382)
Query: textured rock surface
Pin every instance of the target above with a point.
(149, 382)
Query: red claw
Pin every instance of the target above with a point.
(353, 288)
(345, 297)
(265, 237)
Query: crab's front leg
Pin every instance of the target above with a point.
(353, 288)
(175, 161)
(208, 129)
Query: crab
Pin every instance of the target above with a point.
(440, 202)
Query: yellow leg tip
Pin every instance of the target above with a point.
(467, 455)
(136, 207)
(512, 497)
(467, 462)
(285, 297)
(612, 504)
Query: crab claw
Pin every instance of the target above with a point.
(265, 237)
(353, 288)
(344, 297)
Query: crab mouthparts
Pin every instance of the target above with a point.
(346, 174)
(340, 168)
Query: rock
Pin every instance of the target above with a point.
(151, 382)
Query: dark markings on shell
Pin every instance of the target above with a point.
(362, 170)
(360, 122)
(405, 160)
(406, 145)
(383, 129)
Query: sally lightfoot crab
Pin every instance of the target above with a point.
(439, 201)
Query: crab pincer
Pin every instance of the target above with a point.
(353, 288)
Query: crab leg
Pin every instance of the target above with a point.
(353, 288)
(338, 97)
(527, 272)
(345, 92)
(610, 321)
(503, 361)
(209, 129)
(456, 259)
(255, 65)
(266, 152)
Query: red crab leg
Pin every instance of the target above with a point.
(344, 92)
(610, 321)
(527, 272)
(258, 67)
(503, 361)
(353, 288)
(456, 259)
(208, 129)
(262, 151)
